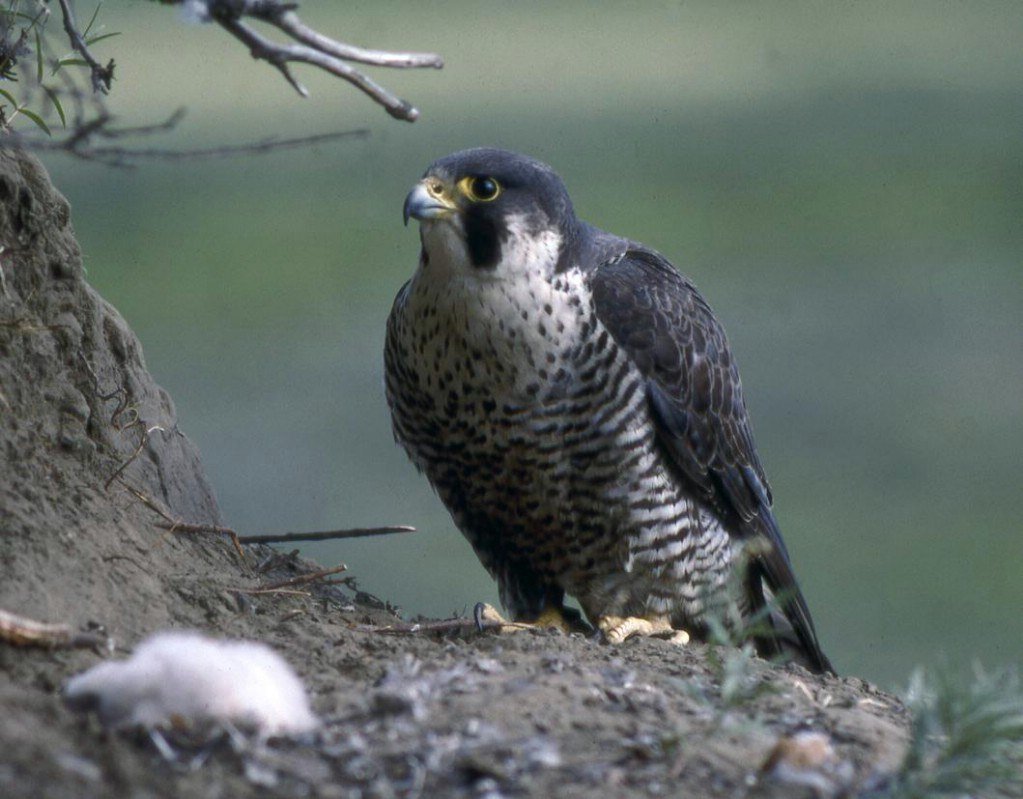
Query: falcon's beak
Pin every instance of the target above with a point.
(430, 199)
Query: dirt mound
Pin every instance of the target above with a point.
(76, 402)
(91, 460)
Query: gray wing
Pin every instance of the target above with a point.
(667, 328)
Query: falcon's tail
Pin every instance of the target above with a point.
(771, 585)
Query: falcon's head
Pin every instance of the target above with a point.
(492, 213)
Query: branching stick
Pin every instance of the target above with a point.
(102, 76)
(308, 46)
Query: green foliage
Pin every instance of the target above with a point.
(732, 654)
(965, 739)
(40, 91)
(731, 635)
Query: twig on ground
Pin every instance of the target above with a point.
(457, 624)
(143, 440)
(283, 591)
(125, 417)
(361, 532)
(286, 586)
(309, 577)
(185, 527)
(146, 500)
(131, 420)
(22, 631)
(182, 527)
(176, 526)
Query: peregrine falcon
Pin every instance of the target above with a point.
(573, 400)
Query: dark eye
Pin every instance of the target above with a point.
(480, 189)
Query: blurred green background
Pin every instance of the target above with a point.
(842, 180)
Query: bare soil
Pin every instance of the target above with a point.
(460, 713)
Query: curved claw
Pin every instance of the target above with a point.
(487, 618)
(618, 629)
(480, 615)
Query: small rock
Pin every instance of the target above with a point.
(807, 759)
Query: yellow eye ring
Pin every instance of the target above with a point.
(480, 189)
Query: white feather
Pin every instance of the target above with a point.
(185, 675)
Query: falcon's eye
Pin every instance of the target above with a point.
(480, 189)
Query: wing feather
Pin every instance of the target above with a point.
(657, 315)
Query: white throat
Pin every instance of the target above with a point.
(524, 254)
(517, 305)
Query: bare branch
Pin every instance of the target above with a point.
(294, 27)
(88, 122)
(169, 123)
(79, 142)
(281, 54)
(251, 148)
(308, 46)
(102, 76)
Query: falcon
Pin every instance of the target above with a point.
(574, 402)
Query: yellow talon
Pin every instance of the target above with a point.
(618, 629)
(551, 617)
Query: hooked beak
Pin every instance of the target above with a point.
(428, 200)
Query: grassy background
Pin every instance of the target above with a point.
(842, 180)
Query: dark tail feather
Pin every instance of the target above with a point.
(770, 581)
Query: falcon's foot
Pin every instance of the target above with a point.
(618, 629)
(552, 617)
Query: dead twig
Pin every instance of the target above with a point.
(177, 526)
(90, 124)
(181, 527)
(81, 143)
(143, 440)
(309, 577)
(146, 500)
(308, 46)
(185, 527)
(123, 418)
(289, 22)
(457, 624)
(287, 586)
(227, 151)
(361, 532)
(173, 525)
(283, 591)
(22, 631)
(102, 76)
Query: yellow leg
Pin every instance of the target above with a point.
(618, 629)
(551, 617)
